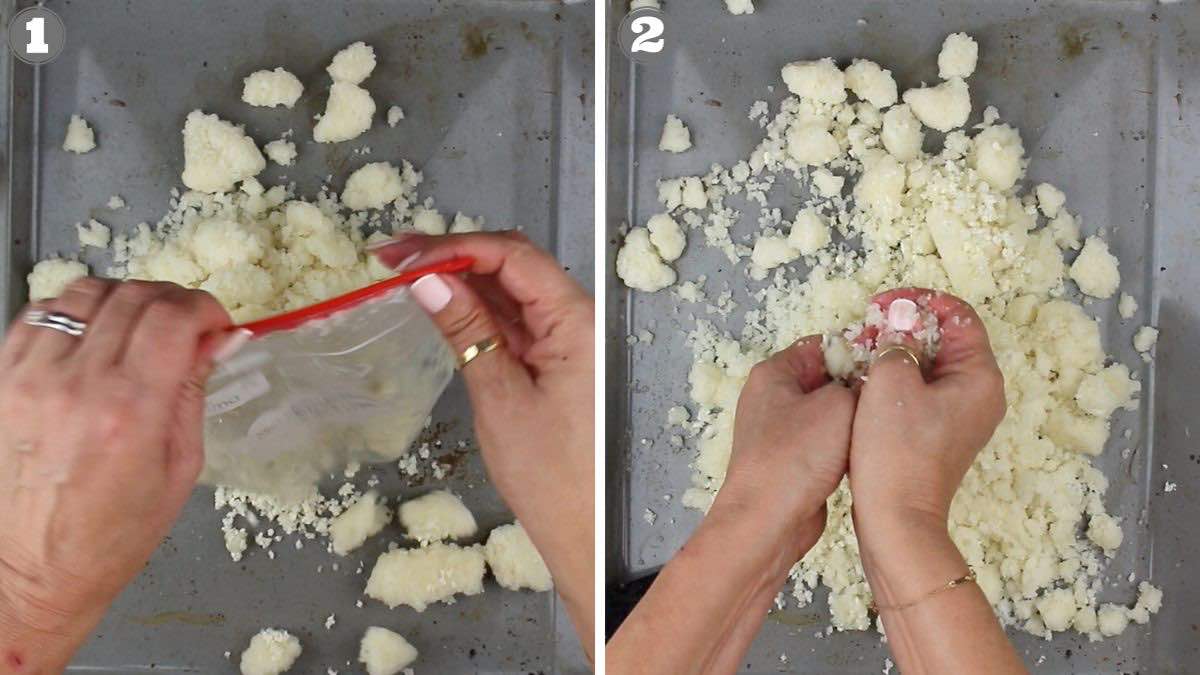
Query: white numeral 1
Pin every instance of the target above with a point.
(37, 36)
(648, 28)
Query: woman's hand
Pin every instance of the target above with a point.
(915, 439)
(790, 447)
(791, 442)
(101, 441)
(917, 430)
(533, 398)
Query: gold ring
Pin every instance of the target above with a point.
(482, 347)
(900, 348)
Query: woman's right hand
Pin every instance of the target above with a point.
(533, 398)
(914, 439)
(916, 432)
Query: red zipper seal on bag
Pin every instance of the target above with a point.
(299, 317)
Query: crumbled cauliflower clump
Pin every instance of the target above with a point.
(1127, 306)
(347, 114)
(437, 516)
(954, 218)
(79, 138)
(1145, 339)
(271, 652)
(93, 233)
(675, 136)
(667, 236)
(353, 64)
(871, 83)
(942, 108)
(640, 265)
(423, 576)
(394, 115)
(280, 151)
(383, 652)
(375, 185)
(958, 56)
(270, 88)
(50, 278)
(738, 7)
(1095, 270)
(217, 154)
(514, 561)
(362, 520)
(428, 221)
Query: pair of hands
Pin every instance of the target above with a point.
(101, 437)
(904, 441)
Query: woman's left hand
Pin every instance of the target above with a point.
(101, 441)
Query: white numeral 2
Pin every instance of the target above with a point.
(647, 28)
(37, 36)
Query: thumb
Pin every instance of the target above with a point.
(466, 322)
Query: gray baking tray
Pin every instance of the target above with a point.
(1105, 95)
(498, 99)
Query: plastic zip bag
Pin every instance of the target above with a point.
(351, 379)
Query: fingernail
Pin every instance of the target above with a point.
(902, 314)
(232, 345)
(432, 293)
(406, 262)
(385, 243)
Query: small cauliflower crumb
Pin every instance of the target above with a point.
(1145, 339)
(1095, 270)
(738, 7)
(1101, 393)
(958, 56)
(827, 184)
(428, 221)
(373, 186)
(362, 520)
(270, 88)
(384, 652)
(347, 114)
(115, 202)
(514, 560)
(420, 577)
(821, 81)
(812, 144)
(871, 83)
(271, 652)
(1105, 532)
(902, 135)
(1127, 306)
(282, 152)
(676, 137)
(437, 516)
(942, 108)
(810, 233)
(667, 236)
(464, 223)
(394, 115)
(639, 265)
(1050, 199)
(93, 233)
(1112, 619)
(79, 138)
(50, 277)
(217, 154)
(353, 64)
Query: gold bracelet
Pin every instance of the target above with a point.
(955, 583)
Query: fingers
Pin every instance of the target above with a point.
(164, 344)
(19, 336)
(81, 300)
(802, 364)
(104, 343)
(896, 365)
(465, 320)
(532, 277)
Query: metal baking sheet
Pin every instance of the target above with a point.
(498, 99)
(1105, 96)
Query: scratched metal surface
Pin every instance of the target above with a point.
(498, 98)
(1105, 96)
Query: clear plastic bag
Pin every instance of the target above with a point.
(352, 379)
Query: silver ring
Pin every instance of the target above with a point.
(55, 321)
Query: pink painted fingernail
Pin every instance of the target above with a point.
(232, 345)
(902, 314)
(432, 293)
